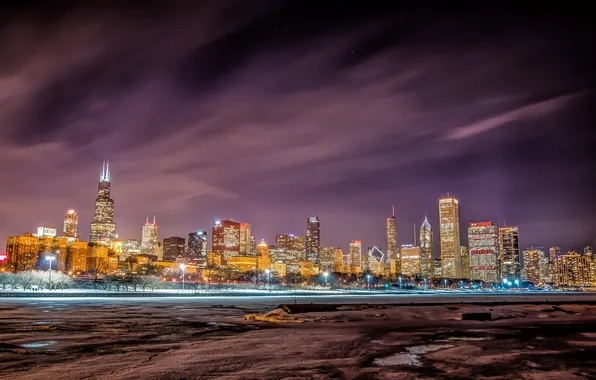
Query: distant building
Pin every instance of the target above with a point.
(553, 253)
(438, 268)
(103, 228)
(313, 238)
(392, 247)
(410, 260)
(464, 255)
(427, 249)
(483, 244)
(449, 236)
(71, 221)
(546, 270)
(263, 260)
(130, 247)
(76, 261)
(532, 263)
(356, 257)
(149, 238)
(244, 239)
(376, 261)
(197, 247)
(173, 248)
(572, 269)
(327, 258)
(21, 252)
(43, 232)
(509, 253)
(242, 263)
(338, 260)
(291, 245)
(226, 238)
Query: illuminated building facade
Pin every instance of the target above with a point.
(291, 245)
(60, 252)
(21, 252)
(71, 221)
(76, 261)
(572, 269)
(44, 232)
(427, 249)
(130, 247)
(313, 238)
(376, 261)
(509, 264)
(356, 257)
(410, 260)
(546, 270)
(338, 260)
(263, 260)
(242, 263)
(103, 229)
(197, 247)
(279, 268)
(244, 239)
(392, 247)
(149, 238)
(449, 235)
(173, 248)
(438, 268)
(226, 238)
(532, 259)
(97, 258)
(554, 252)
(483, 245)
(464, 255)
(327, 258)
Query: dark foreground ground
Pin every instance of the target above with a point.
(181, 339)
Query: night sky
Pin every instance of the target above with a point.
(270, 112)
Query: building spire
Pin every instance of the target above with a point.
(393, 211)
(108, 170)
(414, 234)
(146, 220)
(153, 219)
(105, 172)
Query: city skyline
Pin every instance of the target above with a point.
(291, 110)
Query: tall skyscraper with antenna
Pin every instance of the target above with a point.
(392, 247)
(426, 249)
(449, 235)
(103, 228)
(150, 237)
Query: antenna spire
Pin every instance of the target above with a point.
(414, 234)
(393, 211)
(153, 219)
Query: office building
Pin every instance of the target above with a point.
(76, 261)
(449, 236)
(339, 261)
(464, 255)
(572, 269)
(356, 257)
(483, 245)
(509, 263)
(197, 247)
(392, 247)
(71, 221)
(532, 264)
(410, 260)
(292, 246)
(103, 229)
(173, 248)
(546, 270)
(244, 239)
(376, 261)
(263, 260)
(553, 253)
(226, 238)
(21, 252)
(427, 249)
(149, 238)
(327, 258)
(45, 232)
(313, 238)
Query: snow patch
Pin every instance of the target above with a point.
(412, 357)
(39, 344)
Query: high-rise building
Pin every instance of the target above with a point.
(60, 252)
(588, 250)
(427, 249)
(338, 260)
(572, 269)
(253, 245)
(532, 263)
(376, 261)
(392, 247)
(103, 229)
(263, 260)
(356, 257)
(22, 252)
(438, 268)
(130, 247)
(410, 260)
(226, 238)
(43, 232)
(546, 270)
(76, 260)
(149, 238)
(464, 254)
(173, 248)
(71, 221)
(449, 235)
(290, 245)
(483, 244)
(313, 238)
(553, 253)
(327, 258)
(244, 239)
(509, 265)
(197, 247)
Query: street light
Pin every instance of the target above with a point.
(326, 274)
(517, 283)
(182, 267)
(50, 258)
(445, 282)
(268, 272)
(400, 282)
(368, 280)
(425, 283)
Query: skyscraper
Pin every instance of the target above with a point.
(572, 269)
(149, 238)
(244, 239)
(313, 238)
(392, 247)
(553, 253)
(483, 244)
(103, 229)
(197, 247)
(355, 256)
(339, 261)
(410, 260)
(263, 259)
(427, 248)
(509, 253)
(532, 259)
(376, 261)
(71, 221)
(173, 247)
(327, 258)
(449, 235)
(464, 254)
(290, 245)
(226, 238)
(21, 252)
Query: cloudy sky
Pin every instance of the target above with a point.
(269, 112)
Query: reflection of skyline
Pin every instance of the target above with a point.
(271, 127)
